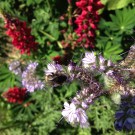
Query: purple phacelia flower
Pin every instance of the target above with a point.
(101, 63)
(131, 112)
(119, 114)
(82, 118)
(129, 124)
(118, 125)
(15, 67)
(71, 66)
(89, 60)
(29, 78)
(94, 62)
(32, 66)
(75, 115)
(52, 68)
(125, 116)
(104, 64)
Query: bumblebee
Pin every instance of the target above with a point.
(56, 79)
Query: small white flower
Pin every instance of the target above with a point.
(132, 47)
(69, 112)
(101, 63)
(89, 59)
(84, 125)
(53, 68)
(109, 63)
(89, 100)
(70, 67)
(75, 101)
(82, 118)
(109, 73)
(75, 116)
(84, 105)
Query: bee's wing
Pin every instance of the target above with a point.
(129, 61)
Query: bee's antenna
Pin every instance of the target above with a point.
(123, 53)
(60, 120)
(133, 38)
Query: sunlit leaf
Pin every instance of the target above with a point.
(117, 4)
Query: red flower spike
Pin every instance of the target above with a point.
(15, 95)
(87, 21)
(21, 35)
(57, 59)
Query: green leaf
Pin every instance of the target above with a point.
(54, 29)
(104, 1)
(63, 24)
(7, 78)
(123, 20)
(71, 89)
(38, 1)
(30, 2)
(117, 4)
(112, 51)
(42, 15)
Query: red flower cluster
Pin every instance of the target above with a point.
(57, 59)
(15, 95)
(87, 21)
(21, 35)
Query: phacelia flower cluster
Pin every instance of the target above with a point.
(53, 68)
(15, 67)
(97, 77)
(29, 78)
(20, 34)
(94, 62)
(75, 112)
(87, 21)
(125, 116)
(15, 95)
(75, 115)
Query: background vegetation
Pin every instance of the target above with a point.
(48, 20)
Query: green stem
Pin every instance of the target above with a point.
(48, 35)
(69, 16)
(52, 38)
(47, 1)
